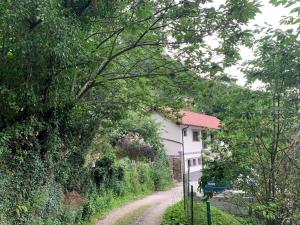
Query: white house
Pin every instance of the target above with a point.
(183, 139)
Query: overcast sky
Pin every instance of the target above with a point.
(270, 15)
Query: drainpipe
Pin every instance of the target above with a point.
(182, 142)
(183, 174)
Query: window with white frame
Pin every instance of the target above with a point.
(195, 135)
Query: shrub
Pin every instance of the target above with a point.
(97, 203)
(249, 221)
(137, 137)
(107, 172)
(47, 200)
(145, 179)
(137, 177)
(133, 146)
(161, 174)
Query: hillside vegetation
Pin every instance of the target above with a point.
(79, 77)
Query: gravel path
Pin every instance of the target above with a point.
(152, 215)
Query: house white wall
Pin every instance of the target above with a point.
(170, 134)
(192, 149)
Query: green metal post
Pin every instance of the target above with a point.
(192, 205)
(188, 192)
(208, 212)
(184, 195)
(188, 179)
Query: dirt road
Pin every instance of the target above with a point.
(150, 209)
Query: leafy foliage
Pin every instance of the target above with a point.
(71, 70)
(260, 134)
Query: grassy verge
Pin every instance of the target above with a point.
(176, 215)
(115, 203)
(133, 216)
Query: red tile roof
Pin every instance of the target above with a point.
(199, 120)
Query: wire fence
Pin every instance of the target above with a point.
(195, 211)
(197, 206)
(188, 190)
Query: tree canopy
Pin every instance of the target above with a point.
(71, 69)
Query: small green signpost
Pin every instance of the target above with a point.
(208, 212)
(209, 189)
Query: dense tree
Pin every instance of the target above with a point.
(261, 131)
(68, 68)
(276, 136)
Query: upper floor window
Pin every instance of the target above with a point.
(189, 163)
(184, 132)
(195, 135)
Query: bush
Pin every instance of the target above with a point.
(161, 174)
(47, 200)
(145, 144)
(43, 184)
(136, 181)
(97, 203)
(249, 221)
(145, 179)
(176, 215)
(107, 173)
(133, 147)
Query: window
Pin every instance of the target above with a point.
(204, 145)
(194, 162)
(199, 161)
(184, 132)
(189, 162)
(211, 137)
(195, 135)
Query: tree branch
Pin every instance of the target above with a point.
(106, 62)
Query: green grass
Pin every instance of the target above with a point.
(116, 202)
(175, 215)
(130, 218)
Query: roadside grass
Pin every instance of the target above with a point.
(119, 201)
(130, 218)
(176, 215)
(115, 203)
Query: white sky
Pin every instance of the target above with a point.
(270, 15)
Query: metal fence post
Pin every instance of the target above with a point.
(184, 199)
(188, 193)
(192, 205)
(208, 212)
(188, 179)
